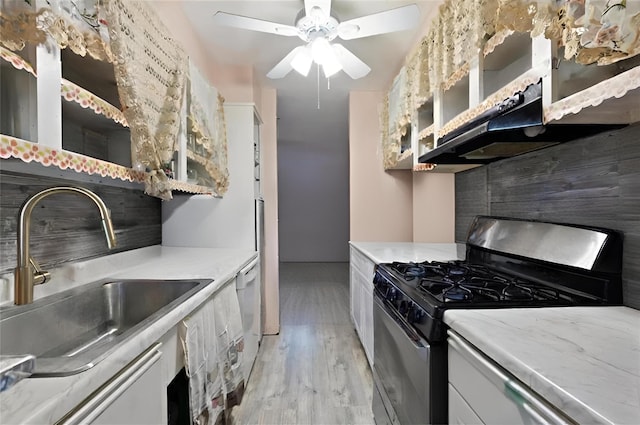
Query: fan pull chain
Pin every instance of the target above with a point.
(318, 81)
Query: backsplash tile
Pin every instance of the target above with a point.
(593, 181)
(67, 227)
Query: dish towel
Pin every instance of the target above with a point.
(206, 395)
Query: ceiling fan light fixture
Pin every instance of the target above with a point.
(331, 66)
(320, 50)
(302, 61)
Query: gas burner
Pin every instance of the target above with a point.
(517, 292)
(457, 293)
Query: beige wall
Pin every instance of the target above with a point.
(238, 84)
(380, 202)
(268, 138)
(433, 207)
(235, 83)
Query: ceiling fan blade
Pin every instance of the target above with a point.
(324, 5)
(351, 64)
(284, 66)
(402, 18)
(237, 21)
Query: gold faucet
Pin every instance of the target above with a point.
(28, 272)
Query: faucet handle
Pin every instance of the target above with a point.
(39, 276)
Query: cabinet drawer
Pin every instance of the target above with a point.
(362, 263)
(460, 413)
(492, 393)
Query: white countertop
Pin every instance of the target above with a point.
(44, 400)
(583, 360)
(384, 252)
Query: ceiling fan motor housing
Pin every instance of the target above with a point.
(315, 25)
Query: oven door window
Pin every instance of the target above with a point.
(401, 361)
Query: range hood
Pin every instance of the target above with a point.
(512, 127)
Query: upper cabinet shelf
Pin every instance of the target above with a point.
(476, 55)
(80, 94)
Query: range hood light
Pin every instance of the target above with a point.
(534, 131)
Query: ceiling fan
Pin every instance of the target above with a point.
(317, 27)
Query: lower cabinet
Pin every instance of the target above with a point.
(135, 395)
(361, 302)
(481, 392)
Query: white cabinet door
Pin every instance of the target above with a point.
(460, 413)
(491, 392)
(135, 396)
(361, 288)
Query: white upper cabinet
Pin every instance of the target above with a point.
(478, 53)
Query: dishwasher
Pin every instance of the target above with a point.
(248, 288)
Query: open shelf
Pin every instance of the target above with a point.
(19, 100)
(92, 121)
(91, 134)
(455, 100)
(506, 62)
(97, 77)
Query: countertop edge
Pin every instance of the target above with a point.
(48, 399)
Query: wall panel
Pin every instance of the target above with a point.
(593, 181)
(67, 227)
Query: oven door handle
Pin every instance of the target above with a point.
(413, 336)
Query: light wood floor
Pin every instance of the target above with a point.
(315, 371)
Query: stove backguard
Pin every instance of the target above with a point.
(583, 260)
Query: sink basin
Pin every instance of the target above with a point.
(72, 331)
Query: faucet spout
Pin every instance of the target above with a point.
(27, 272)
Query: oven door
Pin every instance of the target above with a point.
(401, 369)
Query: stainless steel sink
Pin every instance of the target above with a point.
(71, 331)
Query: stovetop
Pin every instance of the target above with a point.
(463, 282)
(509, 263)
(421, 292)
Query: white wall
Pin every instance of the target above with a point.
(313, 181)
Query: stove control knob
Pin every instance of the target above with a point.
(391, 294)
(415, 315)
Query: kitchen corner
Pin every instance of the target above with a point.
(46, 400)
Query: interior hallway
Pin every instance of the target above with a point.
(315, 371)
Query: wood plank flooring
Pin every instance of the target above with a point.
(315, 371)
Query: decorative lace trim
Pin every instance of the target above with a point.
(456, 76)
(190, 188)
(208, 130)
(616, 87)
(17, 61)
(74, 93)
(426, 132)
(11, 147)
(528, 78)
(150, 69)
(601, 32)
(497, 39)
(21, 26)
(424, 167)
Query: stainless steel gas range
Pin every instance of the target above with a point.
(509, 263)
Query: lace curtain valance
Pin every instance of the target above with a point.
(74, 24)
(591, 31)
(208, 130)
(588, 31)
(151, 70)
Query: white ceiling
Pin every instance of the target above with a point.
(298, 113)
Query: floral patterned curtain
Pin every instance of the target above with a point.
(74, 24)
(151, 71)
(208, 136)
(591, 31)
